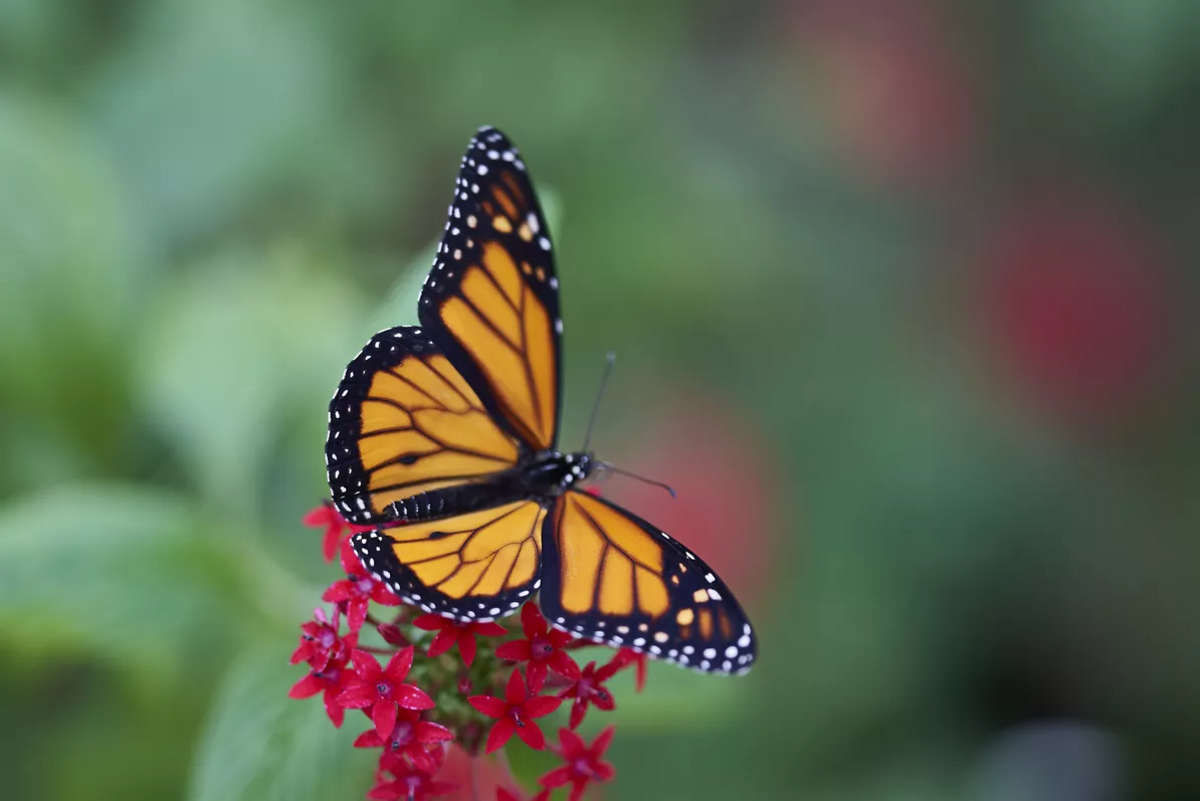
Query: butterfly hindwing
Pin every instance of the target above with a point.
(491, 299)
(610, 576)
(408, 436)
(472, 567)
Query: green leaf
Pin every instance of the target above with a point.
(240, 351)
(73, 277)
(113, 571)
(259, 744)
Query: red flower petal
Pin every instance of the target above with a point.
(399, 665)
(489, 629)
(541, 706)
(604, 701)
(384, 717)
(600, 744)
(356, 612)
(515, 651)
(557, 777)
(572, 745)
(366, 666)
(532, 622)
(537, 676)
(604, 771)
(368, 739)
(578, 710)
(515, 693)
(350, 561)
(444, 641)
(559, 638)
(531, 733)
(466, 646)
(432, 732)
(336, 713)
(500, 734)
(432, 622)
(307, 687)
(358, 696)
(492, 707)
(338, 591)
(562, 664)
(410, 697)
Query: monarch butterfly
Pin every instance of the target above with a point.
(451, 429)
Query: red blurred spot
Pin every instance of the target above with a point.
(900, 101)
(1077, 305)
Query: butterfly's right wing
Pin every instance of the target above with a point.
(409, 439)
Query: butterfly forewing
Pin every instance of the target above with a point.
(491, 299)
(610, 576)
(404, 425)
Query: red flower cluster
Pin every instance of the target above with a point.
(427, 697)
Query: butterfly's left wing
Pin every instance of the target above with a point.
(491, 299)
(609, 575)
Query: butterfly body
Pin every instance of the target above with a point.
(444, 438)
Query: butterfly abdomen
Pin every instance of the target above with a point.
(455, 500)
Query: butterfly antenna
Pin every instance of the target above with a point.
(609, 361)
(613, 469)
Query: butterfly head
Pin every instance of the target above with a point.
(554, 473)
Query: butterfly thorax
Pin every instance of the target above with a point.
(550, 473)
(540, 477)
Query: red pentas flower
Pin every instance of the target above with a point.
(584, 763)
(450, 632)
(626, 657)
(589, 689)
(331, 680)
(409, 782)
(542, 648)
(320, 643)
(383, 689)
(515, 713)
(409, 738)
(355, 592)
(336, 528)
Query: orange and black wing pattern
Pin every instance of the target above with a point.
(472, 567)
(409, 439)
(491, 299)
(610, 576)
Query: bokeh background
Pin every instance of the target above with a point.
(904, 298)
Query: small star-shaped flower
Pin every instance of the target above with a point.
(450, 632)
(589, 689)
(626, 657)
(410, 782)
(332, 680)
(320, 644)
(409, 737)
(383, 689)
(584, 763)
(542, 648)
(355, 592)
(336, 528)
(515, 713)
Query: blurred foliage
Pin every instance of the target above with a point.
(778, 208)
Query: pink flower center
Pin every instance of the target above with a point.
(328, 638)
(365, 584)
(541, 647)
(401, 735)
(384, 689)
(583, 767)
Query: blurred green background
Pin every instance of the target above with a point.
(905, 306)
